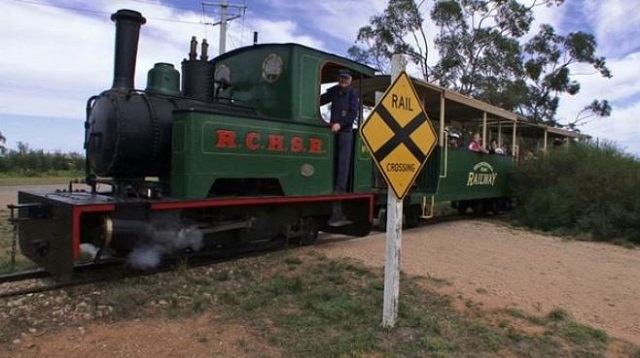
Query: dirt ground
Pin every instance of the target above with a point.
(9, 193)
(487, 262)
(498, 266)
(201, 337)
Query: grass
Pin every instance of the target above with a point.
(60, 177)
(6, 237)
(516, 313)
(305, 305)
(9, 179)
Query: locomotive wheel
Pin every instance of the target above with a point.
(360, 229)
(411, 216)
(479, 208)
(462, 207)
(309, 231)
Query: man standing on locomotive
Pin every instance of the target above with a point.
(344, 111)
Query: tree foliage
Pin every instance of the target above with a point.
(28, 162)
(3, 141)
(399, 29)
(548, 70)
(483, 53)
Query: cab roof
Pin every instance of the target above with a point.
(330, 70)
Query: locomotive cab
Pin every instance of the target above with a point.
(281, 81)
(286, 149)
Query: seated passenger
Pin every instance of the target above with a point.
(528, 155)
(454, 140)
(476, 144)
(557, 143)
(494, 148)
(506, 149)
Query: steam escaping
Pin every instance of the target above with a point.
(164, 235)
(145, 257)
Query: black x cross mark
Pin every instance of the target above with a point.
(401, 135)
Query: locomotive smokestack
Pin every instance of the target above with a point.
(193, 48)
(128, 24)
(204, 53)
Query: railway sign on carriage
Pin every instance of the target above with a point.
(399, 135)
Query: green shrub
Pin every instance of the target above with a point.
(582, 189)
(32, 163)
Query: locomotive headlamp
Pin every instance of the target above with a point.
(272, 67)
(222, 74)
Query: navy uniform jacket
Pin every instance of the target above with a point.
(344, 106)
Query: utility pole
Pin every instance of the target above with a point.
(224, 5)
(224, 19)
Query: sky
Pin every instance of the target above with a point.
(55, 54)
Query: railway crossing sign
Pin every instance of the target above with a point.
(399, 135)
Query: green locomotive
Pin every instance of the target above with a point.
(239, 153)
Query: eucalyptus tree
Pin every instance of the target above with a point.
(3, 141)
(482, 52)
(548, 71)
(399, 29)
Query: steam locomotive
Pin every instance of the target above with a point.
(231, 152)
(228, 152)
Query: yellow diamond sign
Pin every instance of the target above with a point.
(399, 135)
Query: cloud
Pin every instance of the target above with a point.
(336, 22)
(616, 23)
(44, 55)
(282, 31)
(53, 59)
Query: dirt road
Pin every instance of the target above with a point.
(504, 267)
(9, 193)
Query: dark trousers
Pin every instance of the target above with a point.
(342, 160)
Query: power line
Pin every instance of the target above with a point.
(33, 2)
(204, 20)
(161, 5)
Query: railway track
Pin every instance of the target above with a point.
(42, 281)
(113, 270)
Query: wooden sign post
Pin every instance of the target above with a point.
(400, 138)
(394, 234)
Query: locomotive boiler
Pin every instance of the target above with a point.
(128, 132)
